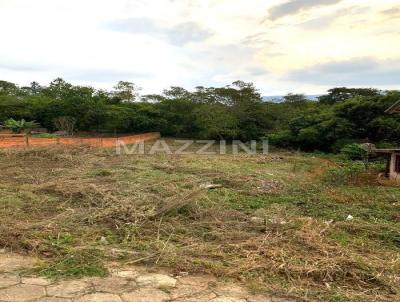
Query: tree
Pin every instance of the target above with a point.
(8, 88)
(248, 109)
(35, 88)
(180, 117)
(118, 119)
(235, 111)
(294, 98)
(175, 92)
(58, 89)
(66, 124)
(215, 122)
(125, 92)
(331, 127)
(341, 94)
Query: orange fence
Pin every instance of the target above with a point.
(11, 142)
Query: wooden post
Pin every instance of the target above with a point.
(388, 162)
(27, 140)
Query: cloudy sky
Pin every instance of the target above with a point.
(304, 46)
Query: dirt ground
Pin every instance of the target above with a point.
(124, 284)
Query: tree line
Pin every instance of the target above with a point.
(237, 111)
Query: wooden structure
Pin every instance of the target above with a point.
(393, 155)
(395, 108)
(393, 163)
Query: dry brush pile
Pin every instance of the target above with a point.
(260, 219)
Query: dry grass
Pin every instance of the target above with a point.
(271, 222)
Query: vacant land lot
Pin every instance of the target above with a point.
(291, 224)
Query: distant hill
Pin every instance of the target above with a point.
(279, 98)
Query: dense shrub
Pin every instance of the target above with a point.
(354, 152)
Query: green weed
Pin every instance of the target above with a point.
(76, 264)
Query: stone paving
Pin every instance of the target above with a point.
(133, 284)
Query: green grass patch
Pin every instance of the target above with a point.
(76, 264)
(240, 201)
(342, 237)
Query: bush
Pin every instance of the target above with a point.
(19, 126)
(344, 174)
(353, 152)
(340, 144)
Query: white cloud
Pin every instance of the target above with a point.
(160, 43)
(179, 34)
(294, 6)
(356, 71)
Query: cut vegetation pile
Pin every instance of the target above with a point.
(281, 222)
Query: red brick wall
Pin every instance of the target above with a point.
(11, 142)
